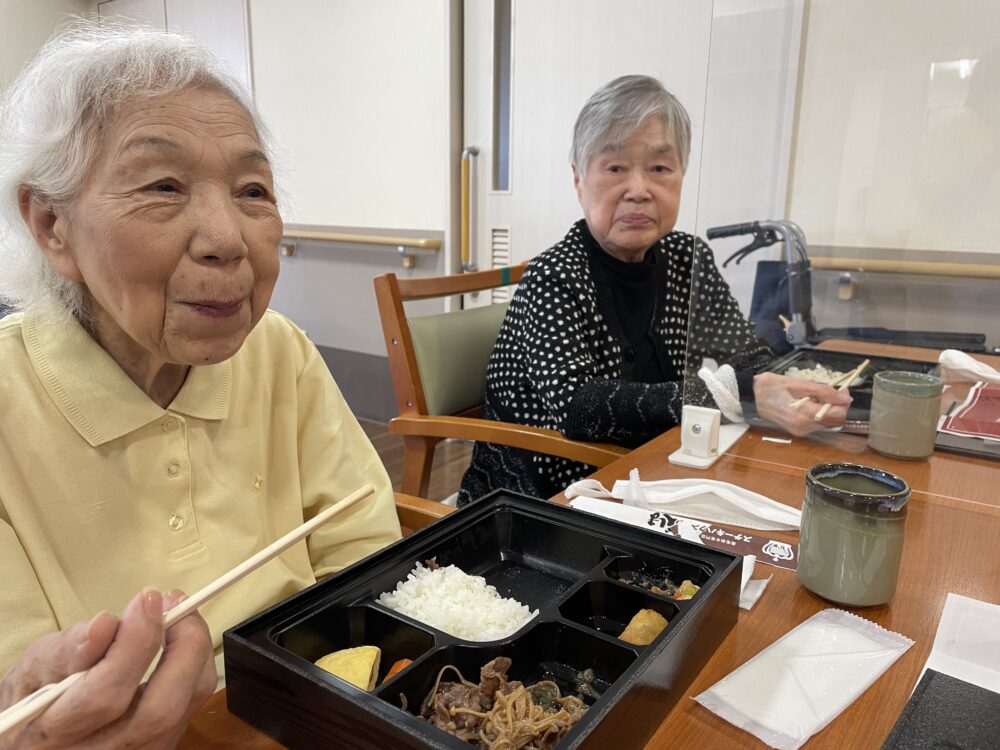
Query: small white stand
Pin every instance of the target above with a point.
(703, 438)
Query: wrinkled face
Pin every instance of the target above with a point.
(632, 191)
(175, 233)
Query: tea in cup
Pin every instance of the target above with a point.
(851, 537)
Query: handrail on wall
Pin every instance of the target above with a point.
(352, 238)
(921, 268)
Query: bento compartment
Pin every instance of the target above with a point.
(608, 608)
(335, 628)
(573, 659)
(526, 558)
(659, 575)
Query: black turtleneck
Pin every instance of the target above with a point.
(634, 289)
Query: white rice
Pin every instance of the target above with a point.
(457, 603)
(818, 374)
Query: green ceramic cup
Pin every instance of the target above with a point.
(904, 413)
(851, 538)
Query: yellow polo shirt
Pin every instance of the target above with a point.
(102, 492)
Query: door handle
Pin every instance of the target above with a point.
(467, 256)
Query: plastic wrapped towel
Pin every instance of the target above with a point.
(959, 366)
(703, 499)
(805, 679)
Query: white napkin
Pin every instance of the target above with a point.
(800, 683)
(704, 499)
(956, 365)
(967, 643)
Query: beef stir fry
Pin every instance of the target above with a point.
(501, 714)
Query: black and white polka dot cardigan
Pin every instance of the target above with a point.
(561, 360)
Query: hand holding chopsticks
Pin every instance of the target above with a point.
(844, 381)
(32, 705)
(848, 379)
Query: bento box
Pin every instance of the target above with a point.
(582, 573)
(843, 362)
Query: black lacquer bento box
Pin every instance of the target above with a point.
(845, 362)
(561, 561)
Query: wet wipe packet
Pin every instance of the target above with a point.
(805, 679)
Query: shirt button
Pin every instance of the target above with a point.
(173, 469)
(176, 522)
(169, 425)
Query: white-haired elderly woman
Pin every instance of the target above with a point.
(595, 341)
(160, 425)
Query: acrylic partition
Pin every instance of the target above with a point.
(849, 199)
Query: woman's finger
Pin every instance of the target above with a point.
(834, 417)
(178, 686)
(106, 692)
(99, 637)
(58, 655)
(818, 391)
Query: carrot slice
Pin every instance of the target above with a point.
(398, 666)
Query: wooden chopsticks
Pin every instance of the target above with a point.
(848, 379)
(843, 382)
(31, 705)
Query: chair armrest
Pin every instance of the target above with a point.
(535, 439)
(416, 512)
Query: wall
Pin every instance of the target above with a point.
(24, 27)
(359, 96)
(899, 125)
(221, 25)
(362, 98)
(749, 115)
(897, 156)
(358, 92)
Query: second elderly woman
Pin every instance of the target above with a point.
(160, 425)
(596, 341)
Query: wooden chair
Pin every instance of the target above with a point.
(438, 364)
(416, 512)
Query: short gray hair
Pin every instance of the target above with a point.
(51, 120)
(618, 109)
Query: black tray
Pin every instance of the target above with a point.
(845, 362)
(945, 712)
(547, 556)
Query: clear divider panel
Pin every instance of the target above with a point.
(848, 201)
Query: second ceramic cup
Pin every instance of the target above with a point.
(904, 413)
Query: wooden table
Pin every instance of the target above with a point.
(951, 546)
(952, 534)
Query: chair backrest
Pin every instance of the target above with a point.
(452, 351)
(438, 362)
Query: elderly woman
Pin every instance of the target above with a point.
(160, 425)
(596, 340)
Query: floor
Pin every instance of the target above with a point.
(451, 459)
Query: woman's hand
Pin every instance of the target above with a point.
(775, 393)
(110, 708)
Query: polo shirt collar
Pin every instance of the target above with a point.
(95, 395)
